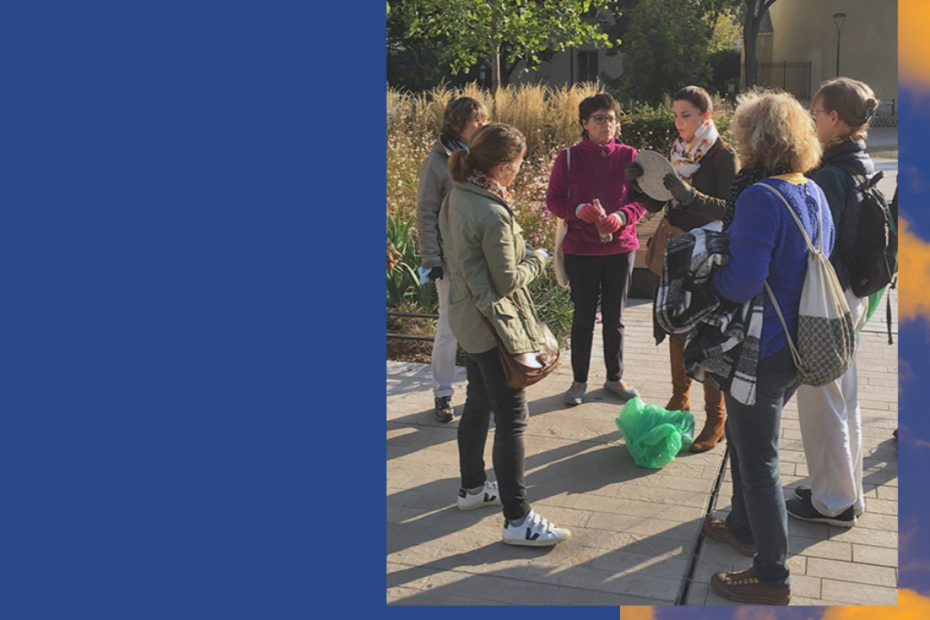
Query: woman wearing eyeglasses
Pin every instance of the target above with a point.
(588, 189)
(830, 416)
(705, 166)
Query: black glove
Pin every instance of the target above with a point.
(681, 191)
(435, 273)
(633, 172)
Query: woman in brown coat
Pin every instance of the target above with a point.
(705, 166)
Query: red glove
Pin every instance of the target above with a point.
(590, 214)
(611, 224)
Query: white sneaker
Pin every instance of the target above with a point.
(534, 532)
(489, 496)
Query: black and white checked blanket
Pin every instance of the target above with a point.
(723, 337)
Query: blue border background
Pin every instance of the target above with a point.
(192, 356)
(192, 342)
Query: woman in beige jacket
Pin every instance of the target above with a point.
(490, 266)
(461, 118)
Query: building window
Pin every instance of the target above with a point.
(587, 66)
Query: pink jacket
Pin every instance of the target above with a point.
(596, 172)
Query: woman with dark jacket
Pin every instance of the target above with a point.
(705, 166)
(830, 417)
(489, 267)
(601, 241)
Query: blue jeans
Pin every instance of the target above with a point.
(758, 513)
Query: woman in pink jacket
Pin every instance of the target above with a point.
(601, 242)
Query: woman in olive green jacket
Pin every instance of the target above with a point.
(489, 268)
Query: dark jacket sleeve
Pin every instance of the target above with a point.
(832, 181)
(650, 204)
(715, 207)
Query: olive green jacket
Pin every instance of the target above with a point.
(489, 269)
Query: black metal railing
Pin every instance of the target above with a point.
(791, 77)
(415, 315)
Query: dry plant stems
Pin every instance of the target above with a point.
(548, 117)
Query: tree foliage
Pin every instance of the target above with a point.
(665, 47)
(510, 30)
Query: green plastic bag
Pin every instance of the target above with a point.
(654, 435)
(874, 300)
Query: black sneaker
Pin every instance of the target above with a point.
(803, 510)
(444, 408)
(806, 494)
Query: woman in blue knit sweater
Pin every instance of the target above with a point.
(777, 144)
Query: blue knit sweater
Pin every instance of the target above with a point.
(765, 243)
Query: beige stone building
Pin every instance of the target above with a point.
(799, 33)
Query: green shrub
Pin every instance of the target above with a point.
(549, 119)
(403, 282)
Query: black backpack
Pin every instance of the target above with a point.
(867, 235)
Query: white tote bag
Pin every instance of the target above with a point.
(561, 229)
(826, 340)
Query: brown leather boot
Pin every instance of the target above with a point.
(681, 383)
(716, 418)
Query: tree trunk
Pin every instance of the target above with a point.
(750, 34)
(507, 72)
(495, 59)
(495, 70)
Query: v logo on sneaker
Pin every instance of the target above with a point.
(529, 531)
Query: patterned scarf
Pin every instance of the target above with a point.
(744, 178)
(476, 177)
(686, 156)
(838, 140)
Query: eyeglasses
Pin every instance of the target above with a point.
(815, 112)
(600, 119)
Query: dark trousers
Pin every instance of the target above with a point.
(487, 391)
(608, 278)
(758, 511)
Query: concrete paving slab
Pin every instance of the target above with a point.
(636, 536)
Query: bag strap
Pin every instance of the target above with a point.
(794, 351)
(781, 317)
(797, 220)
(888, 317)
(568, 159)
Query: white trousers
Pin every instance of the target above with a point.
(444, 343)
(831, 431)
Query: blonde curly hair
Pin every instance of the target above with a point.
(773, 128)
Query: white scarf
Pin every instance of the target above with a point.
(686, 157)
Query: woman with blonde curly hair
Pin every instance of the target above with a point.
(777, 144)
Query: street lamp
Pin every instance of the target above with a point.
(838, 19)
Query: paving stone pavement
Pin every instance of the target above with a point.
(635, 532)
